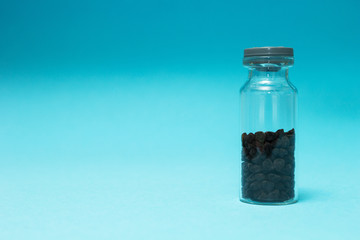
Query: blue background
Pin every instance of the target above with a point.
(119, 119)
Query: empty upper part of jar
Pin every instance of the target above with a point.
(270, 59)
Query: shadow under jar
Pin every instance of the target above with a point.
(268, 109)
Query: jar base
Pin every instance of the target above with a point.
(249, 201)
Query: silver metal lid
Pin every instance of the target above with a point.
(268, 52)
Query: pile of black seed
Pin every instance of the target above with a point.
(268, 166)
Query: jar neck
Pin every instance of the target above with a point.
(268, 69)
(269, 74)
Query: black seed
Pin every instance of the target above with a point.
(267, 186)
(259, 177)
(290, 192)
(250, 137)
(259, 146)
(279, 164)
(286, 179)
(255, 186)
(274, 195)
(282, 152)
(291, 140)
(255, 168)
(288, 169)
(289, 185)
(252, 152)
(291, 132)
(290, 159)
(273, 177)
(276, 152)
(267, 165)
(245, 169)
(280, 132)
(279, 186)
(260, 137)
(258, 159)
(267, 148)
(270, 136)
(245, 193)
(284, 141)
(243, 137)
(291, 149)
(262, 196)
(283, 196)
(250, 178)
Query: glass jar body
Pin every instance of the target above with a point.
(268, 112)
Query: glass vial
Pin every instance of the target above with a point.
(268, 109)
